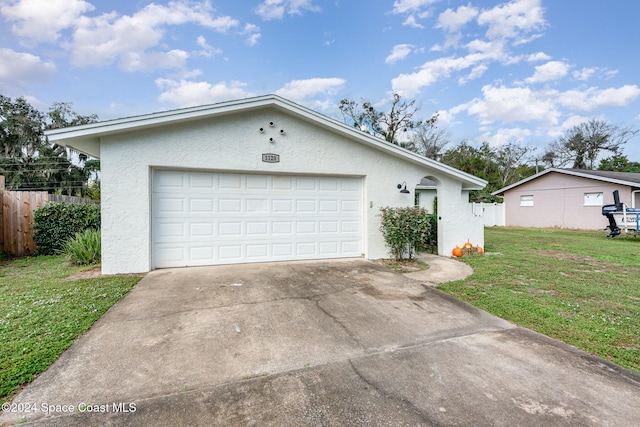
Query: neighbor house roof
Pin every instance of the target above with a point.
(86, 138)
(630, 179)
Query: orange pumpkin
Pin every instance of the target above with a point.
(468, 245)
(457, 251)
(480, 250)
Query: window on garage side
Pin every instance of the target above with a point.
(593, 199)
(526, 200)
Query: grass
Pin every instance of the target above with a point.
(577, 286)
(41, 314)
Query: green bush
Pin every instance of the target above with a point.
(408, 229)
(56, 223)
(84, 248)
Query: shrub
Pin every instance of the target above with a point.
(407, 229)
(56, 223)
(84, 248)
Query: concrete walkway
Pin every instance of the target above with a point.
(441, 270)
(325, 343)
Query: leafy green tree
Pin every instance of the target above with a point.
(27, 159)
(61, 115)
(618, 163)
(500, 166)
(582, 145)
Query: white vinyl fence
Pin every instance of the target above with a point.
(492, 213)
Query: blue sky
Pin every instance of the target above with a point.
(495, 71)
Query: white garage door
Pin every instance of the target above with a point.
(201, 218)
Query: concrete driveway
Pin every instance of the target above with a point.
(323, 343)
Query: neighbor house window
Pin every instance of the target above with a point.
(526, 200)
(593, 199)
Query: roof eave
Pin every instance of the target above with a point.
(80, 137)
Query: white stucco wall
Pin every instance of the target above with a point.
(234, 144)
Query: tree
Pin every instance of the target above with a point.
(61, 115)
(582, 145)
(500, 166)
(618, 163)
(388, 126)
(430, 141)
(511, 162)
(27, 159)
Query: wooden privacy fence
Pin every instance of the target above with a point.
(16, 217)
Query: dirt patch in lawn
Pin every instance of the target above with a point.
(592, 264)
(568, 256)
(87, 274)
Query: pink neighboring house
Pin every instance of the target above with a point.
(567, 198)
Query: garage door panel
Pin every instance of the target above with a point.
(201, 205)
(201, 181)
(171, 205)
(170, 180)
(204, 218)
(229, 181)
(202, 229)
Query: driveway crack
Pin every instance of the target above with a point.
(336, 320)
(388, 395)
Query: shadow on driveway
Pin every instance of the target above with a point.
(340, 342)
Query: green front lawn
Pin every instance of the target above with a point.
(577, 286)
(41, 314)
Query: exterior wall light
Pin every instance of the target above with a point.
(403, 188)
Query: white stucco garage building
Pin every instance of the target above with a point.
(255, 180)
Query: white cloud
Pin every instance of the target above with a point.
(573, 120)
(507, 104)
(504, 136)
(475, 73)
(184, 93)
(584, 74)
(410, 84)
(538, 56)
(594, 98)
(399, 52)
(413, 9)
(253, 34)
(149, 61)
(552, 70)
(207, 50)
(19, 67)
(453, 21)
(412, 22)
(404, 6)
(513, 19)
(275, 9)
(111, 38)
(501, 104)
(42, 21)
(300, 90)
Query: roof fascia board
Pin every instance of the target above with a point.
(568, 172)
(91, 134)
(473, 182)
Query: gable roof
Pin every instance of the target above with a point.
(630, 179)
(86, 138)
